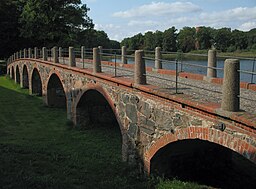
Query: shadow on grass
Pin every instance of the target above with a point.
(39, 150)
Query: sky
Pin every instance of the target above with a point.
(126, 18)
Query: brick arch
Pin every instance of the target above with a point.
(55, 72)
(17, 74)
(12, 72)
(25, 81)
(207, 134)
(102, 91)
(40, 76)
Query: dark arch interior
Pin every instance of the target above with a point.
(12, 73)
(205, 163)
(25, 77)
(36, 83)
(55, 93)
(17, 74)
(93, 109)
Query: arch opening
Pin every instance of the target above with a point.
(12, 73)
(36, 83)
(205, 163)
(17, 74)
(25, 80)
(55, 92)
(93, 109)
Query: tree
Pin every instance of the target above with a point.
(9, 32)
(186, 39)
(169, 39)
(47, 22)
(158, 35)
(222, 38)
(149, 43)
(251, 39)
(114, 44)
(204, 37)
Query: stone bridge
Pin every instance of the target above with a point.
(152, 124)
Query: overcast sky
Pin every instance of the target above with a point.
(125, 18)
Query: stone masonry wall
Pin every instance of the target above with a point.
(147, 122)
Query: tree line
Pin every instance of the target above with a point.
(30, 23)
(191, 38)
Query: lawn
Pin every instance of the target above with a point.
(39, 148)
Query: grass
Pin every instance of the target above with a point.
(39, 148)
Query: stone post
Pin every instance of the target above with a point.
(17, 55)
(55, 55)
(82, 55)
(140, 68)
(29, 53)
(96, 61)
(158, 56)
(82, 52)
(124, 59)
(45, 56)
(212, 62)
(72, 60)
(60, 52)
(21, 54)
(35, 53)
(100, 52)
(231, 86)
(25, 53)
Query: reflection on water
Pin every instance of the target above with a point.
(170, 65)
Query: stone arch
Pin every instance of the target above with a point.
(17, 74)
(36, 82)
(56, 96)
(203, 155)
(25, 77)
(12, 73)
(100, 93)
(206, 134)
(96, 89)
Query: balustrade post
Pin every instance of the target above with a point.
(44, 51)
(60, 52)
(82, 54)
(72, 60)
(55, 55)
(25, 53)
(100, 52)
(20, 53)
(140, 68)
(124, 53)
(17, 55)
(29, 53)
(231, 86)
(158, 57)
(96, 61)
(35, 53)
(212, 62)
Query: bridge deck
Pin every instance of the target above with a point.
(197, 90)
